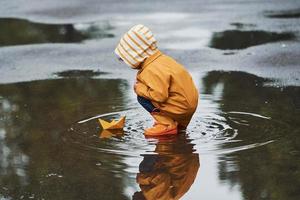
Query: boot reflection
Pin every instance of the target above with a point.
(170, 173)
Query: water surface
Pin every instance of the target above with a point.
(238, 39)
(58, 75)
(19, 31)
(52, 146)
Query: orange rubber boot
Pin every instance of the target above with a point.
(163, 126)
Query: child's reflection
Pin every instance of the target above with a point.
(170, 173)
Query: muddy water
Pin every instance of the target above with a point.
(244, 138)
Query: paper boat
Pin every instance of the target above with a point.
(119, 124)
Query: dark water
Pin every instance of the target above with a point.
(79, 74)
(285, 14)
(261, 172)
(243, 142)
(35, 160)
(19, 31)
(238, 39)
(49, 151)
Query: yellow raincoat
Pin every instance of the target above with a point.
(166, 83)
(170, 173)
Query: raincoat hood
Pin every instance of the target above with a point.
(136, 45)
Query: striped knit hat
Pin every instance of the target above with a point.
(136, 45)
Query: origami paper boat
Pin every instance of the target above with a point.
(119, 124)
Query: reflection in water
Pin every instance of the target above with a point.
(35, 161)
(46, 153)
(33, 33)
(79, 73)
(111, 133)
(283, 14)
(270, 171)
(13, 161)
(242, 25)
(229, 127)
(237, 39)
(170, 173)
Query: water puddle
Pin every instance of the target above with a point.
(240, 26)
(79, 73)
(209, 129)
(229, 53)
(36, 33)
(238, 39)
(50, 140)
(284, 14)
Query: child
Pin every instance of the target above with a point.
(163, 86)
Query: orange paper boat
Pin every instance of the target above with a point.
(119, 124)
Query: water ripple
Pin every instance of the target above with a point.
(211, 132)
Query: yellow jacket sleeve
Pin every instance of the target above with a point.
(153, 85)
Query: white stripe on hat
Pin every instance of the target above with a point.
(140, 44)
(139, 55)
(136, 45)
(133, 44)
(131, 52)
(128, 57)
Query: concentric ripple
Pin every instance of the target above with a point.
(211, 131)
